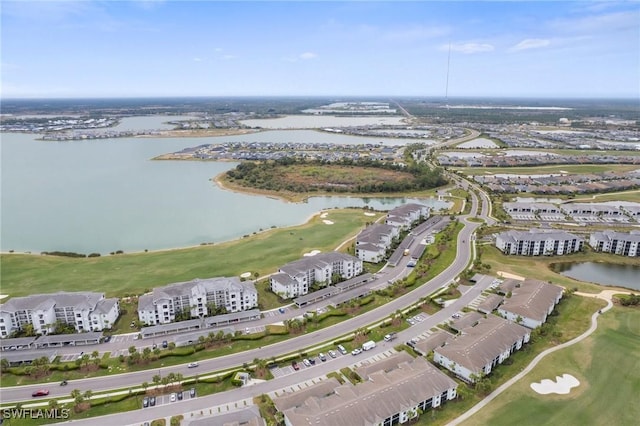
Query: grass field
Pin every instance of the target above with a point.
(123, 274)
(538, 267)
(607, 364)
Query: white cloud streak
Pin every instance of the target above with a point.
(530, 43)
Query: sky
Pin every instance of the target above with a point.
(154, 48)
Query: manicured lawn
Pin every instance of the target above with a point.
(607, 364)
(124, 274)
(538, 267)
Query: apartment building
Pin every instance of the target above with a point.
(530, 302)
(616, 242)
(388, 396)
(405, 215)
(85, 311)
(295, 278)
(373, 242)
(481, 347)
(537, 242)
(198, 297)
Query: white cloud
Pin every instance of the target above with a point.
(308, 55)
(468, 47)
(530, 43)
(196, 59)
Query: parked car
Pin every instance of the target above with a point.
(306, 362)
(322, 357)
(165, 344)
(41, 392)
(152, 401)
(389, 337)
(63, 383)
(312, 361)
(295, 365)
(192, 365)
(342, 350)
(192, 392)
(180, 396)
(281, 310)
(356, 351)
(173, 397)
(332, 354)
(145, 402)
(107, 339)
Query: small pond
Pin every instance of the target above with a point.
(609, 274)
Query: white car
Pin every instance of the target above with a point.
(332, 354)
(356, 351)
(173, 397)
(192, 365)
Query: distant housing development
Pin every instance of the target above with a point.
(199, 298)
(85, 311)
(390, 394)
(295, 278)
(616, 242)
(481, 347)
(530, 302)
(536, 243)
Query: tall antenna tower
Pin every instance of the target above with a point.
(446, 90)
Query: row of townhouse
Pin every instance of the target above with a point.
(373, 242)
(296, 278)
(537, 242)
(394, 391)
(85, 311)
(199, 297)
(616, 242)
(573, 209)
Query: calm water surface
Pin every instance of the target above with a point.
(105, 195)
(609, 274)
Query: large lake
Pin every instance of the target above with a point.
(106, 194)
(609, 274)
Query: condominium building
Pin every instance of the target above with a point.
(530, 302)
(481, 347)
(536, 243)
(405, 215)
(373, 242)
(295, 278)
(616, 242)
(389, 396)
(199, 298)
(85, 311)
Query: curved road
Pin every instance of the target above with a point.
(100, 384)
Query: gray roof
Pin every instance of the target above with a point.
(383, 395)
(532, 299)
(490, 303)
(209, 285)
(466, 321)
(89, 336)
(80, 300)
(17, 357)
(17, 342)
(508, 285)
(480, 345)
(320, 260)
(105, 305)
(370, 366)
(373, 233)
(145, 302)
(406, 209)
(608, 236)
(437, 222)
(435, 340)
(248, 416)
(537, 235)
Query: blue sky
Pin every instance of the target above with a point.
(358, 48)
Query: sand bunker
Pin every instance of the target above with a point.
(2, 296)
(562, 385)
(508, 275)
(323, 215)
(312, 253)
(245, 275)
(369, 214)
(327, 222)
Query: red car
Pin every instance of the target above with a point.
(295, 366)
(41, 392)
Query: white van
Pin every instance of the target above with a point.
(368, 345)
